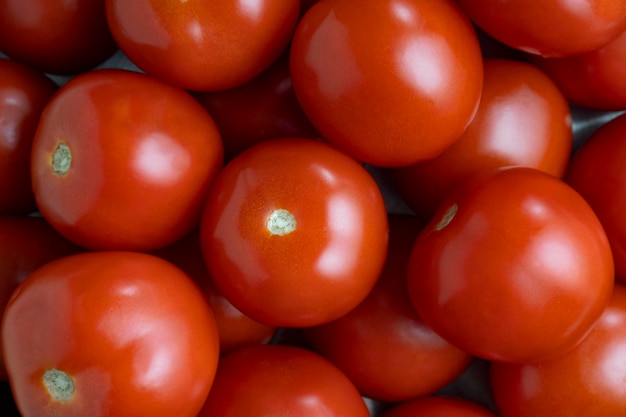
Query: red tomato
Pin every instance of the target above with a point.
(123, 161)
(235, 328)
(56, 36)
(586, 382)
(109, 334)
(294, 232)
(26, 243)
(593, 80)
(23, 94)
(514, 267)
(523, 119)
(550, 27)
(275, 380)
(390, 82)
(438, 406)
(374, 342)
(203, 46)
(597, 173)
(264, 108)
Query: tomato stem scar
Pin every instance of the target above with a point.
(61, 159)
(60, 385)
(281, 222)
(447, 217)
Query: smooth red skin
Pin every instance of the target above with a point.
(597, 173)
(521, 272)
(550, 28)
(133, 331)
(261, 109)
(109, 199)
(523, 119)
(324, 268)
(587, 382)
(235, 328)
(56, 36)
(437, 406)
(593, 80)
(404, 103)
(23, 94)
(203, 46)
(286, 381)
(26, 243)
(375, 341)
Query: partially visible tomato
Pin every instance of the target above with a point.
(390, 82)
(514, 267)
(109, 334)
(523, 119)
(438, 406)
(275, 380)
(206, 45)
(550, 27)
(56, 36)
(294, 232)
(123, 161)
(24, 93)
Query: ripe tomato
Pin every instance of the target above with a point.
(597, 173)
(26, 243)
(235, 328)
(550, 27)
(203, 45)
(375, 341)
(390, 82)
(294, 232)
(586, 382)
(275, 380)
(109, 334)
(523, 119)
(514, 267)
(123, 161)
(23, 94)
(56, 36)
(438, 406)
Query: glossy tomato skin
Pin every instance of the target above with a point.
(203, 46)
(523, 119)
(515, 267)
(24, 93)
(143, 155)
(261, 109)
(132, 331)
(26, 243)
(56, 36)
(375, 342)
(438, 406)
(586, 382)
(235, 328)
(277, 380)
(550, 28)
(597, 173)
(405, 103)
(294, 232)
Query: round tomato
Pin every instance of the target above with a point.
(275, 380)
(24, 93)
(390, 82)
(523, 119)
(109, 334)
(294, 232)
(203, 45)
(550, 27)
(438, 406)
(235, 328)
(374, 342)
(56, 36)
(597, 173)
(586, 382)
(123, 161)
(513, 267)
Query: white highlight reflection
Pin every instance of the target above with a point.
(161, 160)
(422, 63)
